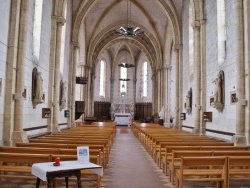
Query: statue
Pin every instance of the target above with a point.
(161, 113)
(63, 89)
(219, 89)
(188, 101)
(38, 98)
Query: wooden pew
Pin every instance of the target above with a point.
(239, 168)
(41, 145)
(103, 154)
(162, 153)
(18, 165)
(202, 169)
(176, 160)
(29, 150)
(231, 153)
(168, 155)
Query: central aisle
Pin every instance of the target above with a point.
(130, 166)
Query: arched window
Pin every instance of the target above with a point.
(221, 29)
(123, 75)
(144, 79)
(37, 27)
(191, 43)
(63, 39)
(102, 78)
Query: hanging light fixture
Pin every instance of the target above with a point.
(128, 30)
(126, 65)
(124, 79)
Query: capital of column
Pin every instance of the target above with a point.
(158, 68)
(54, 17)
(87, 67)
(168, 67)
(177, 47)
(61, 20)
(203, 22)
(75, 44)
(196, 25)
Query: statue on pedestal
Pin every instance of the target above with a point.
(219, 90)
(37, 88)
(188, 102)
(63, 91)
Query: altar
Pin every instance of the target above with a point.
(122, 118)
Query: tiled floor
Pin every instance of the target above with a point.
(130, 166)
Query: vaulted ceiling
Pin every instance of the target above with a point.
(100, 18)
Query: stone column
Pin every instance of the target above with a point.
(203, 75)
(134, 94)
(52, 70)
(91, 94)
(247, 61)
(18, 134)
(87, 88)
(240, 138)
(154, 93)
(159, 89)
(74, 49)
(197, 95)
(60, 23)
(112, 97)
(177, 95)
(9, 103)
(165, 95)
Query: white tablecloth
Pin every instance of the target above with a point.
(40, 169)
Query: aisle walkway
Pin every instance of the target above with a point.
(130, 166)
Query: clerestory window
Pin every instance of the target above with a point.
(37, 27)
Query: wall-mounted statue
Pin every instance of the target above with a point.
(62, 96)
(219, 92)
(188, 102)
(37, 88)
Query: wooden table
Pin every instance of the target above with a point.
(47, 171)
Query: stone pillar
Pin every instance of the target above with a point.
(87, 88)
(74, 49)
(60, 23)
(11, 72)
(18, 134)
(239, 138)
(203, 75)
(112, 97)
(154, 92)
(247, 61)
(134, 94)
(159, 89)
(177, 95)
(167, 80)
(52, 70)
(197, 95)
(91, 93)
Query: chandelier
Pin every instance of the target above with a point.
(126, 65)
(128, 30)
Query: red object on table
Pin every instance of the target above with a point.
(57, 161)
